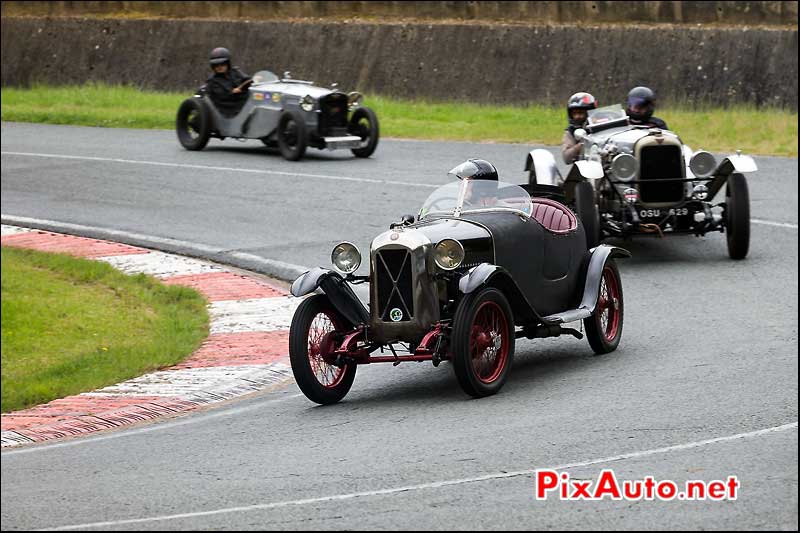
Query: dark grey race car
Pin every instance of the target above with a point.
(486, 263)
(285, 113)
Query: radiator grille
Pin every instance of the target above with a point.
(394, 284)
(656, 163)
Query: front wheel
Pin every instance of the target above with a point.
(292, 135)
(737, 216)
(483, 342)
(588, 212)
(310, 341)
(604, 327)
(364, 123)
(193, 124)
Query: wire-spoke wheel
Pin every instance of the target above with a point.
(483, 342)
(311, 342)
(737, 216)
(604, 327)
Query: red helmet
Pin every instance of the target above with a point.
(583, 101)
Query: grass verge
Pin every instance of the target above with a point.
(71, 325)
(754, 131)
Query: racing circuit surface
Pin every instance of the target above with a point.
(703, 385)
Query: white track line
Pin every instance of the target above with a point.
(280, 173)
(433, 485)
(226, 169)
(771, 223)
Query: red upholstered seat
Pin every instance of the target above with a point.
(554, 216)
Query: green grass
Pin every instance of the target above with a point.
(754, 131)
(71, 325)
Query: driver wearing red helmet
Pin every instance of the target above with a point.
(578, 107)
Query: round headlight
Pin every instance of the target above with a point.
(448, 254)
(346, 257)
(307, 103)
(624, 167)
(702, 164)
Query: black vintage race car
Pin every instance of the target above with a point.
(283, 113)
(485, 263)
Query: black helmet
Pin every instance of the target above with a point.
(579, 101)
(219, 56)
(475, 169)
(641, 97)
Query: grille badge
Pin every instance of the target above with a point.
(396, 315)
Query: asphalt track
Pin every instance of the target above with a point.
(703, 385)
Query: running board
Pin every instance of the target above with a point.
(567, 316)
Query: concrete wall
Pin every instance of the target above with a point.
(497, 64)
(683, 12)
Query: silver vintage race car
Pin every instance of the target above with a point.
(638, 180)
(285, 113)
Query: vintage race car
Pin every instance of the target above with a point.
(637, 180)
(485, 263)
(285, 113)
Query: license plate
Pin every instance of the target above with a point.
(658, 213)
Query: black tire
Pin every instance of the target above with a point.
(193, 124)
(292, 135)
(604, 327)
(737, 216)
(364, 123)
(587, 211)
(317, 387)
(470, 326)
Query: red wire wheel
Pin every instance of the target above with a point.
(483, 342)
(311, 342)
(604, 327)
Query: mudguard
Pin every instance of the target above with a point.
(487, 274)
(589, 170)
(338, 291)
(542, 167)
(733, 163)
(594, 273)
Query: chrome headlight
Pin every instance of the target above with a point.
(346, 257)
(702, 164)
(624, 167)
(448, 254)
(307, 103)
(354, 99)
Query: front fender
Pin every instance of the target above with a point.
(338, 291)
(733, 163)
(594, 273)
(586, 170)
(495, 276)
(542, 167)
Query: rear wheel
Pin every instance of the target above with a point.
(310, 342)
(737, 216)
(588, 212)
(193, 124)
(364, 123)
(604, 327)
(483, 342)
(292, 135)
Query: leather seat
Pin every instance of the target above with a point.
(554, 216)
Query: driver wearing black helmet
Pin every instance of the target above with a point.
(641, 103)
(227, 87)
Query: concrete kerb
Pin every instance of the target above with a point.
(276, 269)
(245, 352)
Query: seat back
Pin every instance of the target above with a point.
(554, 216)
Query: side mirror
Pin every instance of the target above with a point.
(580, 134)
